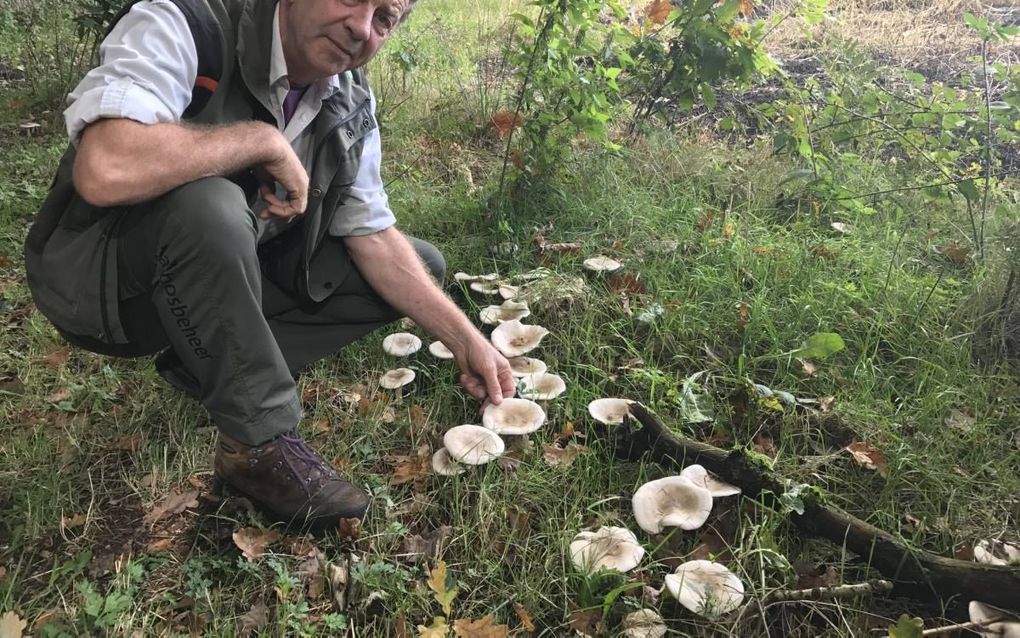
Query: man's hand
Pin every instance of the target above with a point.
(485, 373)
(286, 169)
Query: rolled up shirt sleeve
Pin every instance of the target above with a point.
(148, 65)
(366, 209)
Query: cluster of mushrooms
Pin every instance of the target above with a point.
(685, 501)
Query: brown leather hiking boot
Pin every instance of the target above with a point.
(290, 480)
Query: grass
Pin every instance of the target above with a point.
(89, 445)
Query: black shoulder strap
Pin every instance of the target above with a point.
(208, 44)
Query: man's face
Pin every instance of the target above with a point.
(326, 37)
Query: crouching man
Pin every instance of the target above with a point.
(221, 205)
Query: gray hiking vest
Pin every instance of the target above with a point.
(71, 250)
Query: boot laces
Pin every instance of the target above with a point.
(302, 460)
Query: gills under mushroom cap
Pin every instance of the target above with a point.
(526, 366)
(706, 588)
(700, 477)
(514, 416)
(463, 276)
(473, 444)
(401, 344)
(507, 311)
(674, 501)
(513, 338)
(643, 623)
(542, 387)
(398, 378)
(609, 411)
(1007, 627)
(613, 548)
(443, 463)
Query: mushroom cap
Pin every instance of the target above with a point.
(706, 588)
(995, 552)
(514, 416)
(526, 366)
(443, 463)
(439, 350)
(609, 411)
(513, 338)
(700, 477)
(473, 444)
(397, 378)
(674, 501)
(643, 623)
(542, 387)
(508, 310)
(981, 612)
(485, 287)
(401, 344)
(506, 291)
(463, 276)
(613, 548)
(601, 263)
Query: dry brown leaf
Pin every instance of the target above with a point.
(173, 503)
(811, 575)
(954, 252)
(728, 230)
(71, 522)
(526, 622)
(11, 625)
(349, 529)
(912, 523)
(706, 220)
(825, 404)
(428, 545)
(868, 456)
(62, 394)
(320, 426)
(159, 544)
(439, 582)
(743, 316)
(253, 542)
(484, 627)
(658, 11)
(45, 618)
(746, 7)
(519, 521)
(504, 122)
(763, 444)
(58, 357)
(556, 456)
(255, 619)
(419, 417)
(400, 627)
(407, 469)
(555, 247)
(626, 282)
(822, 251)
(712, 546)
(129, 443)
(587, 622)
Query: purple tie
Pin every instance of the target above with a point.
(291, 101)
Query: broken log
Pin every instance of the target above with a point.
(914, 573)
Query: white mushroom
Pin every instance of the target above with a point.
(601, 263)
(613, 548)
(506, 291)
(439, 350)
(397, 378)
(700, 477)
(401, 344)
(485, 287)
(674, 501)
(706, 588)
(514, 416)
(507, 311)
(996, 552)
(513, 338)
(444, 465)
(643, 623)
(526, 366)
(537, 273)
(609, 411)
(542, 387)
(463, 276)
(1008, 625)
(473, 444)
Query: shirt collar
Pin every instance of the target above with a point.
(278, 66)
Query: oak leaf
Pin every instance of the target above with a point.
(557, 456)
(11, 625)
(484, 627)
(442, 588)
(504, 122)
(658, 12)
(438, 629)
(868, 456)
(173, 503)
(409, 469)
(526, 622)
(253, 542)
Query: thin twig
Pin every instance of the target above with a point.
(912, 188)
(988, 145)
(948, 629)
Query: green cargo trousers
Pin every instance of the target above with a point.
(192, 278)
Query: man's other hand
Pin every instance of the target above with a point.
(285, 169)
(485, 373)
